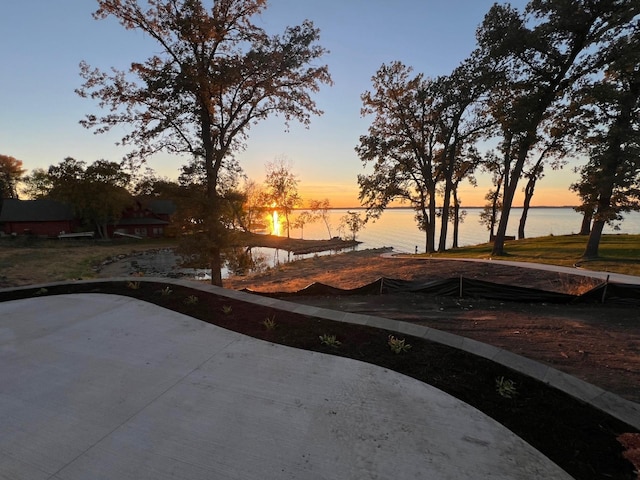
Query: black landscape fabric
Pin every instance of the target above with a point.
(611, 293)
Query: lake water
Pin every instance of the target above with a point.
(397, 228)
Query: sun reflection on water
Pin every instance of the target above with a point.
(275, 228)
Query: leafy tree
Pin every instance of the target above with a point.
(460, 124)
(97, 192)
(421, 141)
(37, 184)
(64, 178)
(186, 221)
(10, 173)
(281, 190)
(302, 219)
(216, 74)
(537, 56)
(254, 209)
(320, 209)
(401, 143)
(352, 222)
(609, 110)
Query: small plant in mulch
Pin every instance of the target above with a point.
(506, 388)
(398, 345)
(42, 291)
(133, 285)
(191, 300)
(330, 340)
(165, 292)
(270, 323)
(227, 309)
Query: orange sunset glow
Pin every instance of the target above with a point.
(346, 196)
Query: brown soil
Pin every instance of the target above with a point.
(597, 343)
(582, 440)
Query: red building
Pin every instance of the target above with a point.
(48, 218)
(43, 218)
(148, 219)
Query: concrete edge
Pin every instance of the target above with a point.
(610, 403)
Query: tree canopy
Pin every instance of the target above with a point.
(608, 114)
(216, 74)
(281, 190)
(515, 90)
(537, 56)
(420, 139)
(98, 193)
(11, 172)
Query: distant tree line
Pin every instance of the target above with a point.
(99, 193)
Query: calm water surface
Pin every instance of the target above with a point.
(397, 228)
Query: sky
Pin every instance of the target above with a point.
(44, 41)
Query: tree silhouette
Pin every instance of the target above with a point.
(216, 74)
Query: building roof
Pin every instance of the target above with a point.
(140, 221)
(162, 207)
(14, 210)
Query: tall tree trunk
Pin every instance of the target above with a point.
(444, 226)
(509, 194)
(494, 211)
(528, 195)
(456, 217)
(431, 226)
(593, 244)
(216, 265)
(585, 227)
(608, 175)
(534, 175)
(213, 161)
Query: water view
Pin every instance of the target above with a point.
(396, 228)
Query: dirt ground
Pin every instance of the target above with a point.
(597, 343)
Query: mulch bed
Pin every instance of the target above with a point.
(579, 438)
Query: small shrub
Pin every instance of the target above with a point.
(42, 291)
(330, 340)
(191, 300)
(506, 388)
(398, 345)
(133, 285)
(270, 323)
(166, 291)
(226, 309)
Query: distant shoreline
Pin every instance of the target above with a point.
(463, 208)
(297, 246)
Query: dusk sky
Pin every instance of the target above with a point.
(45, 40)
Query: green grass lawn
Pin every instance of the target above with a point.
(618, 253)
